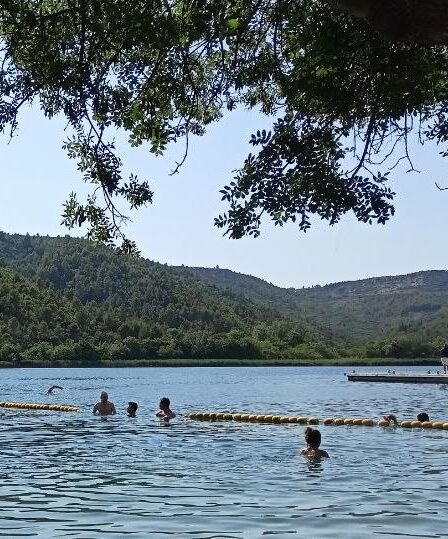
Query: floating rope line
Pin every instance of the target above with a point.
(302, 420)
(33, 406)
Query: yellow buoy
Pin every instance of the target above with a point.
(267, 418)
(357, 422)
(245, 417)
(328, 421)
(383, 423)
(427, 425)
(236, 417)
(313, 421)
(406, 424)
(228, 417)
(437, 425)
(284, 419)
(368, 422)
(302, 420)
(276, 419)
(416, 424)
(445, 426)
(338, 421)
(348, 421)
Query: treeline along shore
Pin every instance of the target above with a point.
(65, 302)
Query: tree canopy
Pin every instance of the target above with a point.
(343, 98)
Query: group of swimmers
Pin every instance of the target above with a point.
(313, 437)
(393, 421)
(105, 407)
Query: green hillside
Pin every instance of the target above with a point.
(67, 301)
(399, 315)
(133, 309)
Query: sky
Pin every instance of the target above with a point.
(177, 228)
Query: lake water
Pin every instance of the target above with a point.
(76, 475)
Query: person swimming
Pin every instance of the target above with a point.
(51, 389)
(132, 409)
(391, 419)
(313, 440)
(422, 417)
(104, 406)
(165, 412)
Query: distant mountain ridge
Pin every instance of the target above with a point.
(67, 298)
(370, 308)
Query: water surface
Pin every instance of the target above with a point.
(78, 476)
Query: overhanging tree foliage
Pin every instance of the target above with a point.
(163, 70)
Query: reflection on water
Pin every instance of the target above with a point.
(76, 475)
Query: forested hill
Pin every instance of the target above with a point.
(406, 314)
(67, 301)
(135, 309)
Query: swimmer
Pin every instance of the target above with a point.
(165, 412)
(422, 416)
(104, 407)
(391, 419)
(313, 439)
(132, 409)
(51, 389)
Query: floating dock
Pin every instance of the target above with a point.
(399, 378)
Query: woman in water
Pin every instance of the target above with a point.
(165, 412)
(313, 439)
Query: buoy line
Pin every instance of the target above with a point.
(302, 420)
(35, 406)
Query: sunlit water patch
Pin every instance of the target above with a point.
(76, 475)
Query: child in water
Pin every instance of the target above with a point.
(165, 412)
(132, 409)
(313, 439)
(422, 417)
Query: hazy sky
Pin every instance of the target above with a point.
(178, 227)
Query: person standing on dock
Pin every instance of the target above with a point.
(444, 358)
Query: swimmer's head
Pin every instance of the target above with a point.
(312, 437)
(164, 403)
(132, 408)
(391, 418)
(104, 397)
(422, 416)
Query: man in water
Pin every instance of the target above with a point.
(51, 389)
(444, 358)
(104, 407)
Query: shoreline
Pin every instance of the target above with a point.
(173, 363)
